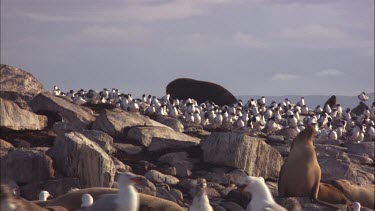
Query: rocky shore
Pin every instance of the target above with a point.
(50, 143)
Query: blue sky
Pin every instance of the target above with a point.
(259, 47)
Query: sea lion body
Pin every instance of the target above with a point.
(72, 201)
(300, 175)
(365, 195)
(330, 194)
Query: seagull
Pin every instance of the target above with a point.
(127, 197)
(43, 195)
(200, 201)
(87, 200)
(363, 97)
(261, 196)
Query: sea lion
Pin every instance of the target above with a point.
(300, 175)
(10, 202)
(332, 195)
(72, 200)
(365, 195)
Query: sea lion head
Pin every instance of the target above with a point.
(341, 184)
(306, 135)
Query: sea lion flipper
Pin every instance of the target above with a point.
(280, 186)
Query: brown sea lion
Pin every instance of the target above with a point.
(365, 195)
(300, 175)
(10, 202)
(332, 195)
(72, 200)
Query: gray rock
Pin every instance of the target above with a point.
(146, 187)
(102, 139)
(157, 177)
(161, 192)
(120, 166)
(129, 149)
(297, 204)
(362, 149)
(77, 156)
(231, 206)
(18, 86)
(113, 122)
(14, 118)
(180, 161)
(26, 165)
(73, 114)
(173, 123)
(241, 151)
(55, 187)
(5, 145)
(336, 164)
(63, 127)
(361, 160)
(159, 138)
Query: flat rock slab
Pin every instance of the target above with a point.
(77, 156)
(14, 118)
(159, 138)
(250, 154)
(113, 122)
(77, 116)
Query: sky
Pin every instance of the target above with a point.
(251, 47)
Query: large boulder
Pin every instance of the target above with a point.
(102, 139)
(77, 156)
(173, 123)
(366, 149)
(14, 118)
(26, 165)
(159, 138)
(18, 85)
(113, 122)
(157, 177)
(250, 154)
(78, 117)
(336, 164)
(184, 88)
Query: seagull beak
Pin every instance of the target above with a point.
(136, 180)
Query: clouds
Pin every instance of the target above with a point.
(329, 72)
(284, 77)
(312, 31)
(115, 35)
(115, 10)
(269, 43)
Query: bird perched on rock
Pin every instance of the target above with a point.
(363, 97)
(200, 201)
(127, 197)
(261, 196)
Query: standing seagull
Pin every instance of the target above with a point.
(363, 96)
(200, 201)
(127, 197)
(261, 196)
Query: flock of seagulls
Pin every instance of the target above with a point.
(331, 123)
